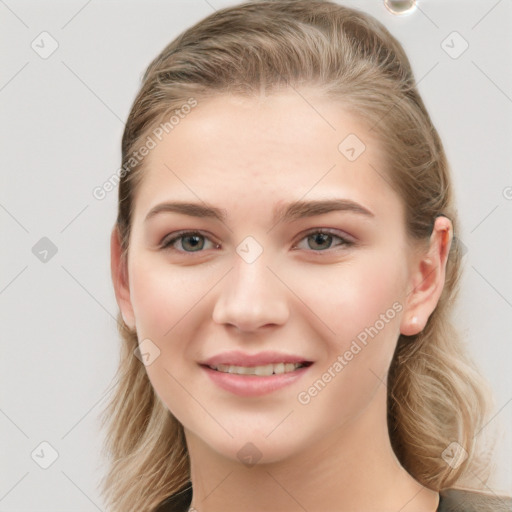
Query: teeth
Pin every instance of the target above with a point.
(262, 371)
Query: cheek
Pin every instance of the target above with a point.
(353, 297)
(361, 304)
(163, 296)
(167, 302)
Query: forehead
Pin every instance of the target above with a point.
(274, 148)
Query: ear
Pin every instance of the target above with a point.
(427, 279)
(119, 270)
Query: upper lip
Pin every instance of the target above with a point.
(237, 358)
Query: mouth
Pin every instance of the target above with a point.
(261, 370)
(254, 381)
(250, 375)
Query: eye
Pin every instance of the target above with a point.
(322, 239)
(318, 240)
(190, 241)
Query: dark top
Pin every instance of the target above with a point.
(450, 500)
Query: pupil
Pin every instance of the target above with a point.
(321, 237)
(195, 244)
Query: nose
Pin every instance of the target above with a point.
(251, 297)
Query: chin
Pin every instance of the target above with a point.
(249, 448)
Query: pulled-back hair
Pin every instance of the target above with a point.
(435, 395)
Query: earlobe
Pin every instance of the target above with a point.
(427, 279)
(411, 325)
(119, 273)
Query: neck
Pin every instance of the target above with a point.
(352, 468)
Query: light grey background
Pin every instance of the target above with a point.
(61, 124)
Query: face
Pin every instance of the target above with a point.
(291, 255)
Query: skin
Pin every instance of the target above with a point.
(248, 156)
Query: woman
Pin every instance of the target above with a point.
(285, 265)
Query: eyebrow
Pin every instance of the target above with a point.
(286, 213)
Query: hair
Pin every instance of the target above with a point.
(435, 394)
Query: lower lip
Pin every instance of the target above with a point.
(253, 385)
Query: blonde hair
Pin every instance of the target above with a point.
(435, 395)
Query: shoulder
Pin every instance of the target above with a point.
(459, 500)
(179, 502)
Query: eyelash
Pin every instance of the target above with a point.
(167, 244)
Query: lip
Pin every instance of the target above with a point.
(238, 358)
(253, 385)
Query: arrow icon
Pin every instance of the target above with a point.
(351, 147)
(44, 250)
(44, 455)
(454, 45)
(249, 454)
(249, 253)
(454, 455)
(147, 352)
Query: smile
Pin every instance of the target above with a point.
(261, 371)
(252, 381)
